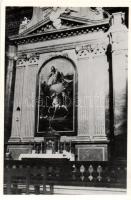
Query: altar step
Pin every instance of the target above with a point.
(75, 190)
(70, 190)
(64, 177)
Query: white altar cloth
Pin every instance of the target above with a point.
(46, 156)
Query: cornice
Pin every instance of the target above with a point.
(75, 19)
(57, 34)
(46, 20)
(34, 27)
(60, 47)
(82, 51)
(84, 20)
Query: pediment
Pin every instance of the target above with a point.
(46, 20)
(46, 26)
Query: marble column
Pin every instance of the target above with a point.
(118, 36)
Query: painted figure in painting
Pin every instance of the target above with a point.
(56, 95)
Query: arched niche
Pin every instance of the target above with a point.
(56, 97)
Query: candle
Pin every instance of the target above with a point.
(64, 145)
(70, 146)
(45, 146)
(37, 149)
(41, 148)
(58, 145)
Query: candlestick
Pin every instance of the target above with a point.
(33, 149)
(60, 148)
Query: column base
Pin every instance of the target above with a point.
(17, 149)
(14, 139)
(27, 139)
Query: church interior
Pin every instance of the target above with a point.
(66, 89)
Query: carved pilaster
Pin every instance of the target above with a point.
(23, 103)
(16, 120)
(92, 88)
(29, 97)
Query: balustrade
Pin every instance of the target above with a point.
(33, 177)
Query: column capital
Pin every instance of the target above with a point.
(27, 59)
(11, 53)
(91, 50)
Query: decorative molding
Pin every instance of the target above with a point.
(55, 16)
(21, 62)
(28, 59)
(58, 47)
(57, 34)
(33, 60)
(91, 50)
(23, 25)
(14, 139)
(48, 27)
(11, 55)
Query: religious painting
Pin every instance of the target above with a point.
(56, 99)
